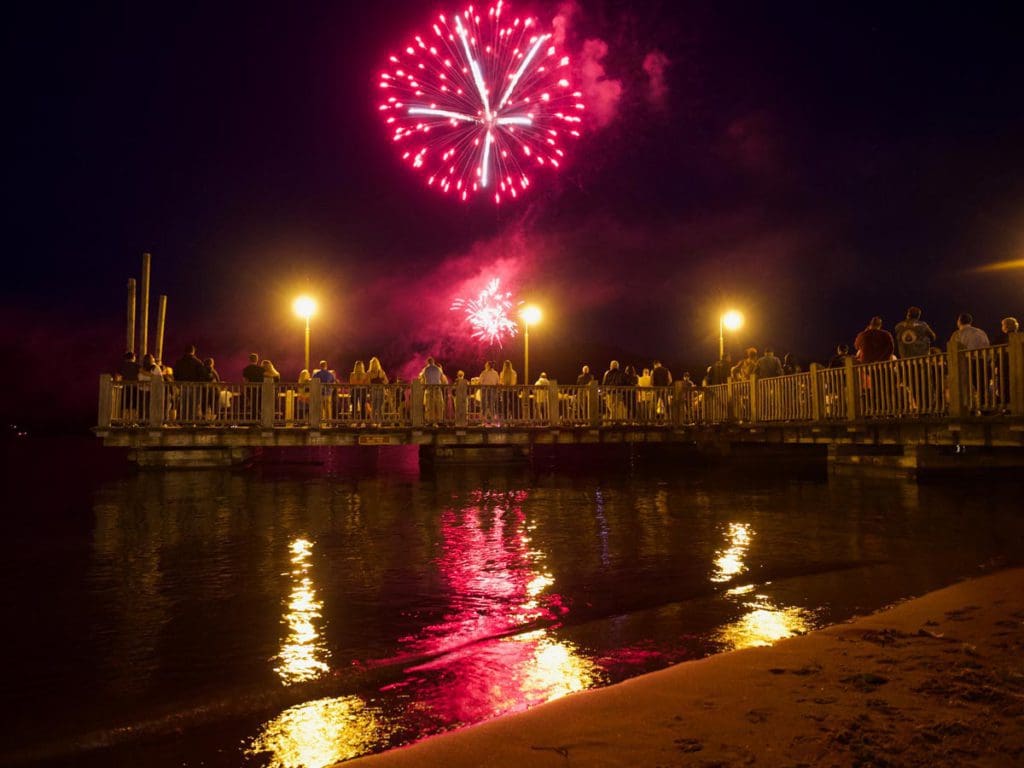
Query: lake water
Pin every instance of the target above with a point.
(301, 613)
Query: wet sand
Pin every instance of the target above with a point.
(935, 681)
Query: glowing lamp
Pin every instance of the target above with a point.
(304, 307)
(530, 314)
(732, 320)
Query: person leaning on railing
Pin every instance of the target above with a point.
(378, 380)
(874, 344)
(325, 376)
(661, 380)
(967, 335)
(914, 337)
(433, 399)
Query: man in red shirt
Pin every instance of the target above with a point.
(873, 344)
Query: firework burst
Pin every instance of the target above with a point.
(481, 102)
(488, 314)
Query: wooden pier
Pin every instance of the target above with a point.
(961, 408)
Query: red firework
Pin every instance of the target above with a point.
(481, 102)
(488, 314)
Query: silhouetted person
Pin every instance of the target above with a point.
(211, 370)
(967, 334)
(768, 365)
(746, 367)
(129, 369)
(253, 372)
(661, 377)
(914, 337)
(838, 360)
(189, 367)
(585, 376)
(720, 370)
(874, 344)
(614, 377)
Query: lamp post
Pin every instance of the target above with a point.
(305, 306)
(730, 320)
(530, 316)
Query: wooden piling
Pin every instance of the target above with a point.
(161, 319)
(144, 319)
(130, 342)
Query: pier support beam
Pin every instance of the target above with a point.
(915, 461)
(191, 458)
(474, 454)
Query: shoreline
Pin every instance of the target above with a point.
(935, 680)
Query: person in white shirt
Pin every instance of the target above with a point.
(488, 380)
(540, 396)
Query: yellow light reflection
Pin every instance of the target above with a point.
(556, 668)
(746, 589)
(320, 733)
(302, 652)
(764, 624)
(729, 562)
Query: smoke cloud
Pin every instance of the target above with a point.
(561, 21)
(601, 93)
(655, 64)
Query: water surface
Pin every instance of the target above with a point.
(303, 613)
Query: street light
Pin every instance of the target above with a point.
(305, 306)
(730, 320)
(530, 315)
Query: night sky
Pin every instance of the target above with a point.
(808, 165)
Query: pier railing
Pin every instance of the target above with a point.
(958, 383)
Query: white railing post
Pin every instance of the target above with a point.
(680, 411)
(106, 404)
(316, 404)
(268, 403)
(755, 411)
(157, 402)
(852, 392)
(815, 394)
(594, 404)
(955, 382)
(416, 404)
(1015, 374)
(461, 402)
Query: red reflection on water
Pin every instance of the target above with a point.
(492, 654)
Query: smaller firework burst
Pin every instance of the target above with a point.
(489, 314)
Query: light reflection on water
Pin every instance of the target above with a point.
(762, 622)
(316, 615)
(729, 561)
(497, 584)
(319, 733)
(303, 652)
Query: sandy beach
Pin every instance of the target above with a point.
(934, 681)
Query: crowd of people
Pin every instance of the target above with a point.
(367, 397)
(911, 337)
